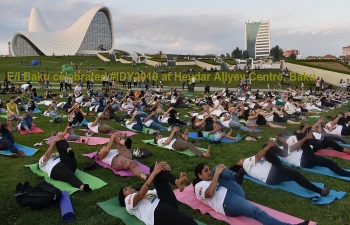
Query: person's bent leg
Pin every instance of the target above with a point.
(323, 162)
(61, 172)
(157, 126)
(66, 155)
(105, 129)
(227, 180)
(121, 162)
(166, 214)
(335, 138)
(180, 145)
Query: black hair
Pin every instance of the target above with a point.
(121, 197)
(155, 139)
(198, 169)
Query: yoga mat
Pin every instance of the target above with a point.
(313, 116)
(186, 152)
(93, 182)
(188, 197)
(34, 130)
(123, 173)
(3, 116)
(66, 207)
(320, 170)
(188, 95)
(62, 116)
(294, 188)
(194, 135)
(113, 208)
(243, 121)
(333, 153)
(128, 133)
(36, 110)
(92, 140)
(27, 150)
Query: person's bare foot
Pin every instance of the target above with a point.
(181, 182)
(21, 153)
(283, 127)
(207, 153)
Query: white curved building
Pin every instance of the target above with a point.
(91, 34)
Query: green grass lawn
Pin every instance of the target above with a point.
(85, 206)
(53, 65)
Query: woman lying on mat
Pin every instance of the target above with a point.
(266, 167)
(62, 166)
(120, 158)
(159, 206)
(217, 135)
(223, 193)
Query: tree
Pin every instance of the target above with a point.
(227, 55)
(237, 53)
(245, 54)
(292, 56)
(222, 55)
(277, 53)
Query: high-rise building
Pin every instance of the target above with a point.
(346, 51)
(258, 39)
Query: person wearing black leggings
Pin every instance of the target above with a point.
(299, 153)
(173, 120)
(63, 166)
(266, 167)
(157, 206)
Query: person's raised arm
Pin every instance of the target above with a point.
(263, 151)
(104, 150)
(170, 138)
(158, 167)
(48, 152)
(96, 121)
(132, 119)
(209, 192)
(301, 142)
(149, 116)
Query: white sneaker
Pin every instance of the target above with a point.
(153, 131)
(170, 128)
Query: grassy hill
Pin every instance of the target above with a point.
(331, 65)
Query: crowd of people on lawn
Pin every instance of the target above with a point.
(213, 116)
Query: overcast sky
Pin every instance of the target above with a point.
(196, 26)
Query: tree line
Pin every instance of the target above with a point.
(276, 52)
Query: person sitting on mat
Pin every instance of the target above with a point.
(76, 114)
(267, 168)
(26, 123)
(63, 166)
(5, 144)
(298, 153)
(178, 141)
(120, 158)
(223, 193)
(159, 206)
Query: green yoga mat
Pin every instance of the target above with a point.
(93, 182)
(113, 208)
(144, 129)
(314, 116)
(186, 152)
(3, 116)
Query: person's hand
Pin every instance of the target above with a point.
(219, 169)
(159, 167)
(58, 138)
(309, 136)
(114, 135)
(176, 129)
(321, 119)
(270, 144)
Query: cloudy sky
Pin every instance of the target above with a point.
(196, 26)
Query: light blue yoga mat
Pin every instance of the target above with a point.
(320, 170)
(255, 130)
(194, 135)
(27, 150)
(293, 187)
(84, 123)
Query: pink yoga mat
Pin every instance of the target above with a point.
(333, 153)
(122, 173)
(128, 133)
(34, 130)
(188, 197)
(92, 140)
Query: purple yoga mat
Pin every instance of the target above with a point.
(66, 207)
(128, 133)
(83, 139)
(123, 173)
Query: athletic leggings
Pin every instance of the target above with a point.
(105, 129)
(279, 173)
(167, 211)
(123, 161)
(64, 170)
(325, 143)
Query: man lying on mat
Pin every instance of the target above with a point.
(266, 167)
(120, 158)
(159, 206)
(178, 141)
(62, 166)
(223, 193)
(102, 128)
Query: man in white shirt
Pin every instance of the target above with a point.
(290, 108)
(178, 141)
(77, 90)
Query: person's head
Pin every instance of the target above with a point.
(202, 173)
(123, 193)
(3, 127)
(290, 99)
(13, 99)
(157, 137)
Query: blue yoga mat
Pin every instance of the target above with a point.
(36, 110)
(66, 207)
(27, 150)
(320, 170)
(255, 130)
(84, 123)
(293, 187)
(194, 135)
